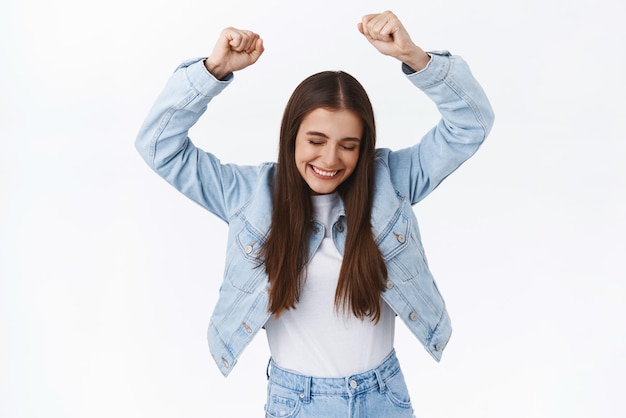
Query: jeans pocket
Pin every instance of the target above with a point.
(397, 391)
(281, 402)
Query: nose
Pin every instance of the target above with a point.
(330, 155)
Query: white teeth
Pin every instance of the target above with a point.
(324, 173)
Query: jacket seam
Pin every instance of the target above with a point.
(165, 120)
(449, 81)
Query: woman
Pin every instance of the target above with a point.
(323, 246)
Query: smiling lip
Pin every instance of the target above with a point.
(323, 173)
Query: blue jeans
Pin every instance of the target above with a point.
(377, 393)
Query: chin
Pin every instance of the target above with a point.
(323, 189)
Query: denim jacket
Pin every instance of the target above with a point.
(242, 197)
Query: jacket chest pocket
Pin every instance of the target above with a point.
(401, 250)
(244, 269)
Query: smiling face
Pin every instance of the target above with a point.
(327, 148)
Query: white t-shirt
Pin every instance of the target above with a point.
(315, 339)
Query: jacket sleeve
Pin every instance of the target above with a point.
(164, 144)
(466, 119)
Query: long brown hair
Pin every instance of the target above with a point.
(285, 251)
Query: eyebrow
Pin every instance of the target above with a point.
(323, 135)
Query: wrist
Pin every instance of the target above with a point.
(417, 60)
(218, 71)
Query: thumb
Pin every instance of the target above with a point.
(258, 49)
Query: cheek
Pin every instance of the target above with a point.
(302, 158)
(302, 153)
(352, 162)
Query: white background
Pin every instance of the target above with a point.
(108, 275)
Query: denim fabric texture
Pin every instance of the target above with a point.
(242, 197)
(377, 393)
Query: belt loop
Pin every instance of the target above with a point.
(267, 369)
(307, 389)
(381, 382)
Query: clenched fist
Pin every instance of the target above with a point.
(387, 34)
(235, 50)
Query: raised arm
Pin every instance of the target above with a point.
(466, 115)
(163, 140)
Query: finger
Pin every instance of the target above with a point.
(250, 42)
(359, 26)
(382, 26)
(387, 30)
(237, 39)
(234, 40)
(258, 49)
(247, 42)
(364, 26)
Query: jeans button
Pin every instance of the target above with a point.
(353, 384)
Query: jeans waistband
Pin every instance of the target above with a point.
(309, 386)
